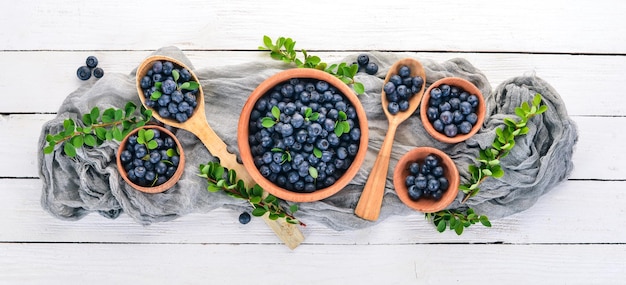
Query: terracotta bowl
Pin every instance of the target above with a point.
(244, 132)
(426, 205)
(159, 188)
(480, 110)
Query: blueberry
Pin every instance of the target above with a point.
(446, 117)
(287, 130)
(150, 176)
(363, 60)
(445, 106)
(155, 157)
(443, 183)
(393, 108)
(435, 93)
(342, 153)
(437, 171)
(457, 117)
(473, 100)
(421, 182)
(437, 194)
(463, 96)
(140, 171)
(432, 113)
(183, 107)
(265, 171)
(321, 86)
(396, 79)
(454, 103)
(333, 139)
(433, 185)
(414, 168)
(409, 180)
(438, 125)
(418, 81)
(415, 193)
(404, 105)
(465, 127)
(157, 67)
(91, 61)
(297, 120)
(98, 72)
(126, 156)
(465, 108)
(177, 96)
(389, 87)
(83, 72)
(402, 91)
(371, 68)
(164, 100)
(322, 144)
(454, 91)
(445, 90)
(355, 134)
(140, 152)
(168, 67)
(170, 171)
(450, 130)
(185, 75)
(172, 108)
(160, 168)
(314, 129)
(182, 117)
(392, 96)
(404, 71)
(472, 118)
(168, 86)
(431, 161)
(277, 157)
(244, 218)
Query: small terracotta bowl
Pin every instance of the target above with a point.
(466, 86)
(159, 188)
(243, 133)
(426, 205)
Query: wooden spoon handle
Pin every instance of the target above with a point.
(288, 233)
(372, 197)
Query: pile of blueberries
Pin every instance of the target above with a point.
(426, 180)
(174, 102)
(84, 72)
(400, 88)
(303, 138)
(370, 67)
(146, 167)
(452, 110)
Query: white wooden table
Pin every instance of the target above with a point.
(572, 235)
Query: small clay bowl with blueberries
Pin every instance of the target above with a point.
(452, 110)
(426, 179)
(302, 135)
(150, 159)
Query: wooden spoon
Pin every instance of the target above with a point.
(372, 197)
(198, 125)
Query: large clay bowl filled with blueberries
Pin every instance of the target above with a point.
(150, 159)
(302, 135)
(452, 109)
(426, 179)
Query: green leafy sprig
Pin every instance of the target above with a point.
(284, 49)
(96, 127)
(489, 166)
(342, 126)
(456, 220)
(489, 158)
(222, 179)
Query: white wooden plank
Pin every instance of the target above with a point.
(576, 78)
(311, 264)
(590, 160)
(533, 26)
(556, 218)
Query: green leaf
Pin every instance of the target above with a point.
(270, 199)
(175, 75)
(130, 108)
(459, 228)
(101, 133)
(346, 127)
(218, 172)
(537, 99)
(148, 135)
(441, 226)
(487, 172)
(273, 217)
(119, 115)
(232, 177)
(49, 149)
(520, 112)
(117, 134)
(191, 85)
(497, 171)
(542, 109)
(317, 152)
(151, 144)
(258, 212)
(171, 152)
(293, 208)
(276, 112)
(525, 108)
(358, 88)
(339, 130)
(313, 172)
(257, 190)
(485, 221)
(86, 120)
(78, 141)
(155, 95)
(314, 116)
(94, 114)
(267, 41)
(69, 149)
(106, 118)
(342, 116)
(213, 188)
(510, 122)
(268, 122)
(90, 140)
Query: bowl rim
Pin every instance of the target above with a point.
(426, 205)
(170, 182)
(244, 145)
(480, 110)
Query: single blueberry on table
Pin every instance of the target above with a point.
(98, 72)
(91, 61)
(371, 68)
(244, 218)
(363, 60)
(83, 72)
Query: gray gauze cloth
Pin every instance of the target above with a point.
(90, 182)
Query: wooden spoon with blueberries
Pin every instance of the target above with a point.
(402, 92)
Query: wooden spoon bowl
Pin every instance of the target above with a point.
(372, 197)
